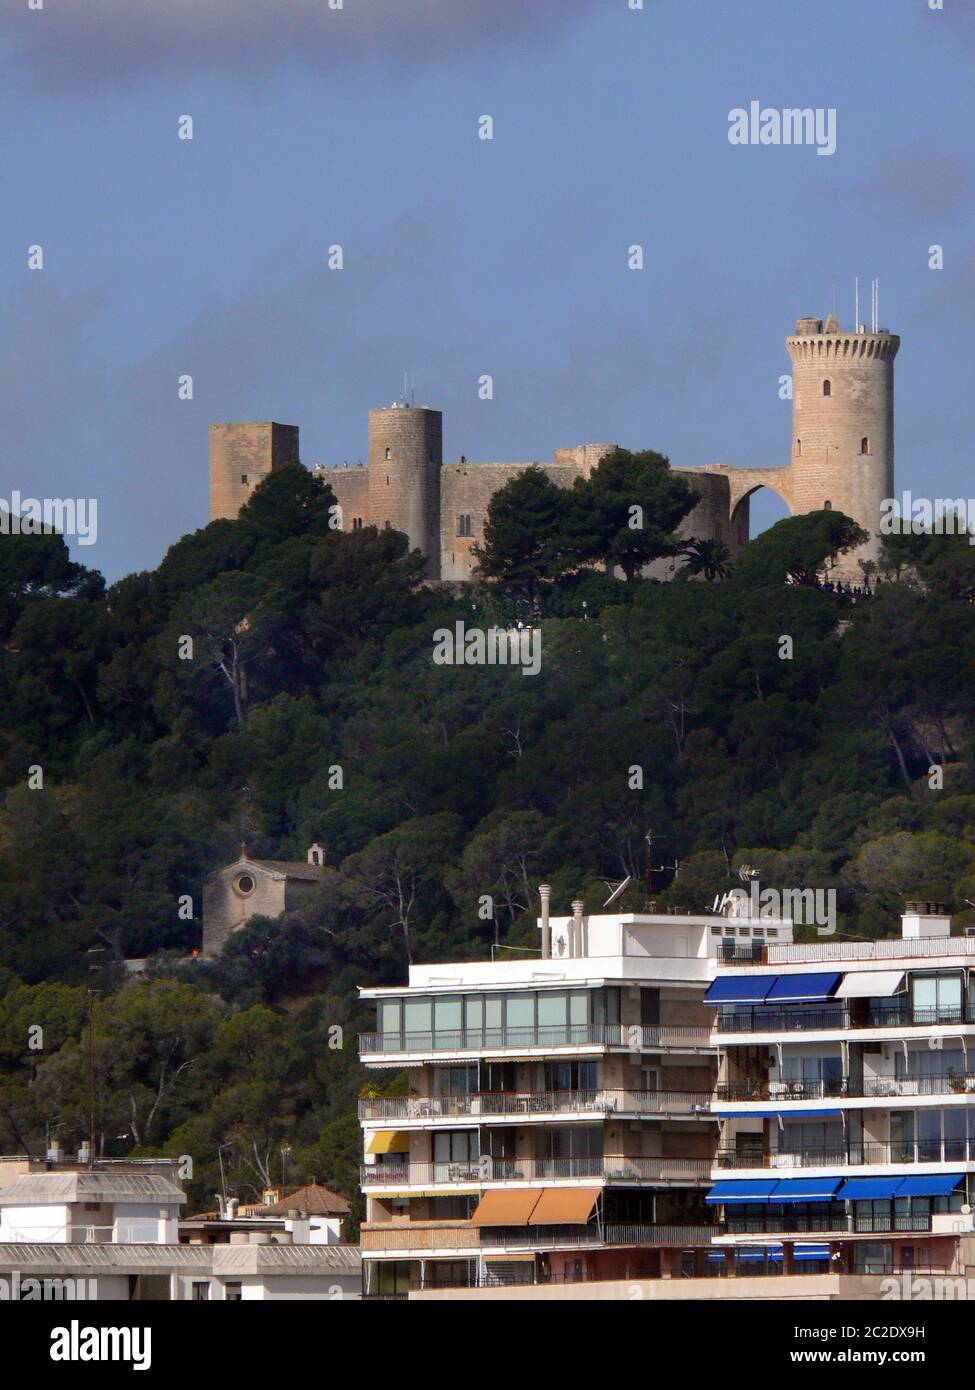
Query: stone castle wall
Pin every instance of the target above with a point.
(241, 456)
(351, 489)
(842, 456)
(466, 490)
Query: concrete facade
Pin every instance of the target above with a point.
(841, 456)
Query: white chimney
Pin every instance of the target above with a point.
(545, 893)
(578, 944)
(925, 919)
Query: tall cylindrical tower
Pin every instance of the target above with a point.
(405, 457)
(843, 425)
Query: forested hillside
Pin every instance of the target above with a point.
(306, 707)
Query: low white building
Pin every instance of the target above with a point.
(111, 1231)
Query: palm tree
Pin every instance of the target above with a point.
(709, 558)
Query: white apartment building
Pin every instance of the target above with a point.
(546, 1118)
(846, 1102)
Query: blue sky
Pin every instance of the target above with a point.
(463, 256)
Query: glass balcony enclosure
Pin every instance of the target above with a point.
(526, 1018)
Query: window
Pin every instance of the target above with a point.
(571, 1076)
(827, 388)
(244, 885)
(827, 506)
(388, 1276)
(243, 480)
(455, 1081)
(418, 1022)
(553, 1009)
(389, 1021)
(571, 1141)
(389, 455)
(201, 1290)
(606, 1007)
(936, 998)
(865, 445)
(450, 1274)
(234, 1293)
(458, 1150)
(447, 1020)
(798, 446)
(465, 525)
(519, 1019)
(357, 523)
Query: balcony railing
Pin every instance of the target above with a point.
(629, 1036)
(791, 1223)
(893, 948)
(492, 1104)
(851, 1155)
(461, 1236)
(830, 1018)
(488, 1170)
(849, 1087)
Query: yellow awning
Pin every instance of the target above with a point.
(560, 1206)
(509, 1259)
(389, 1141)
(498, 1208)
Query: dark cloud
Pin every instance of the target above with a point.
(76, 42)
(919, 184)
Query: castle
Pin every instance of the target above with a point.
(842, 457)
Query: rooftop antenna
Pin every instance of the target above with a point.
(856, 304)
(618, 891)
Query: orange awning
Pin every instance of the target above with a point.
(389, 1141)
(505, 1208)
(560, 1206)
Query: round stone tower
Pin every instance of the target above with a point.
(843, 426)
(405, 457)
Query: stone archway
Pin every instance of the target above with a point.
(742, 482)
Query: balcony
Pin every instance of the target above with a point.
(478, 1173)
(496, 1105)
(839, 1017)
(793, 1223)
(849, 1087)
(851, 1155)
(626, 1037)
(426, 1236)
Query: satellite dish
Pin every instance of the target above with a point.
(618, 891)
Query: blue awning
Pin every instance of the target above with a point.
(810, 1252)
(740, 1114)
(739, 989)
(803, 988)
(937, 1185)
(740, 1190)
(867, 1189)
(746, 1114)
(805, 1114)
(805, 1190)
